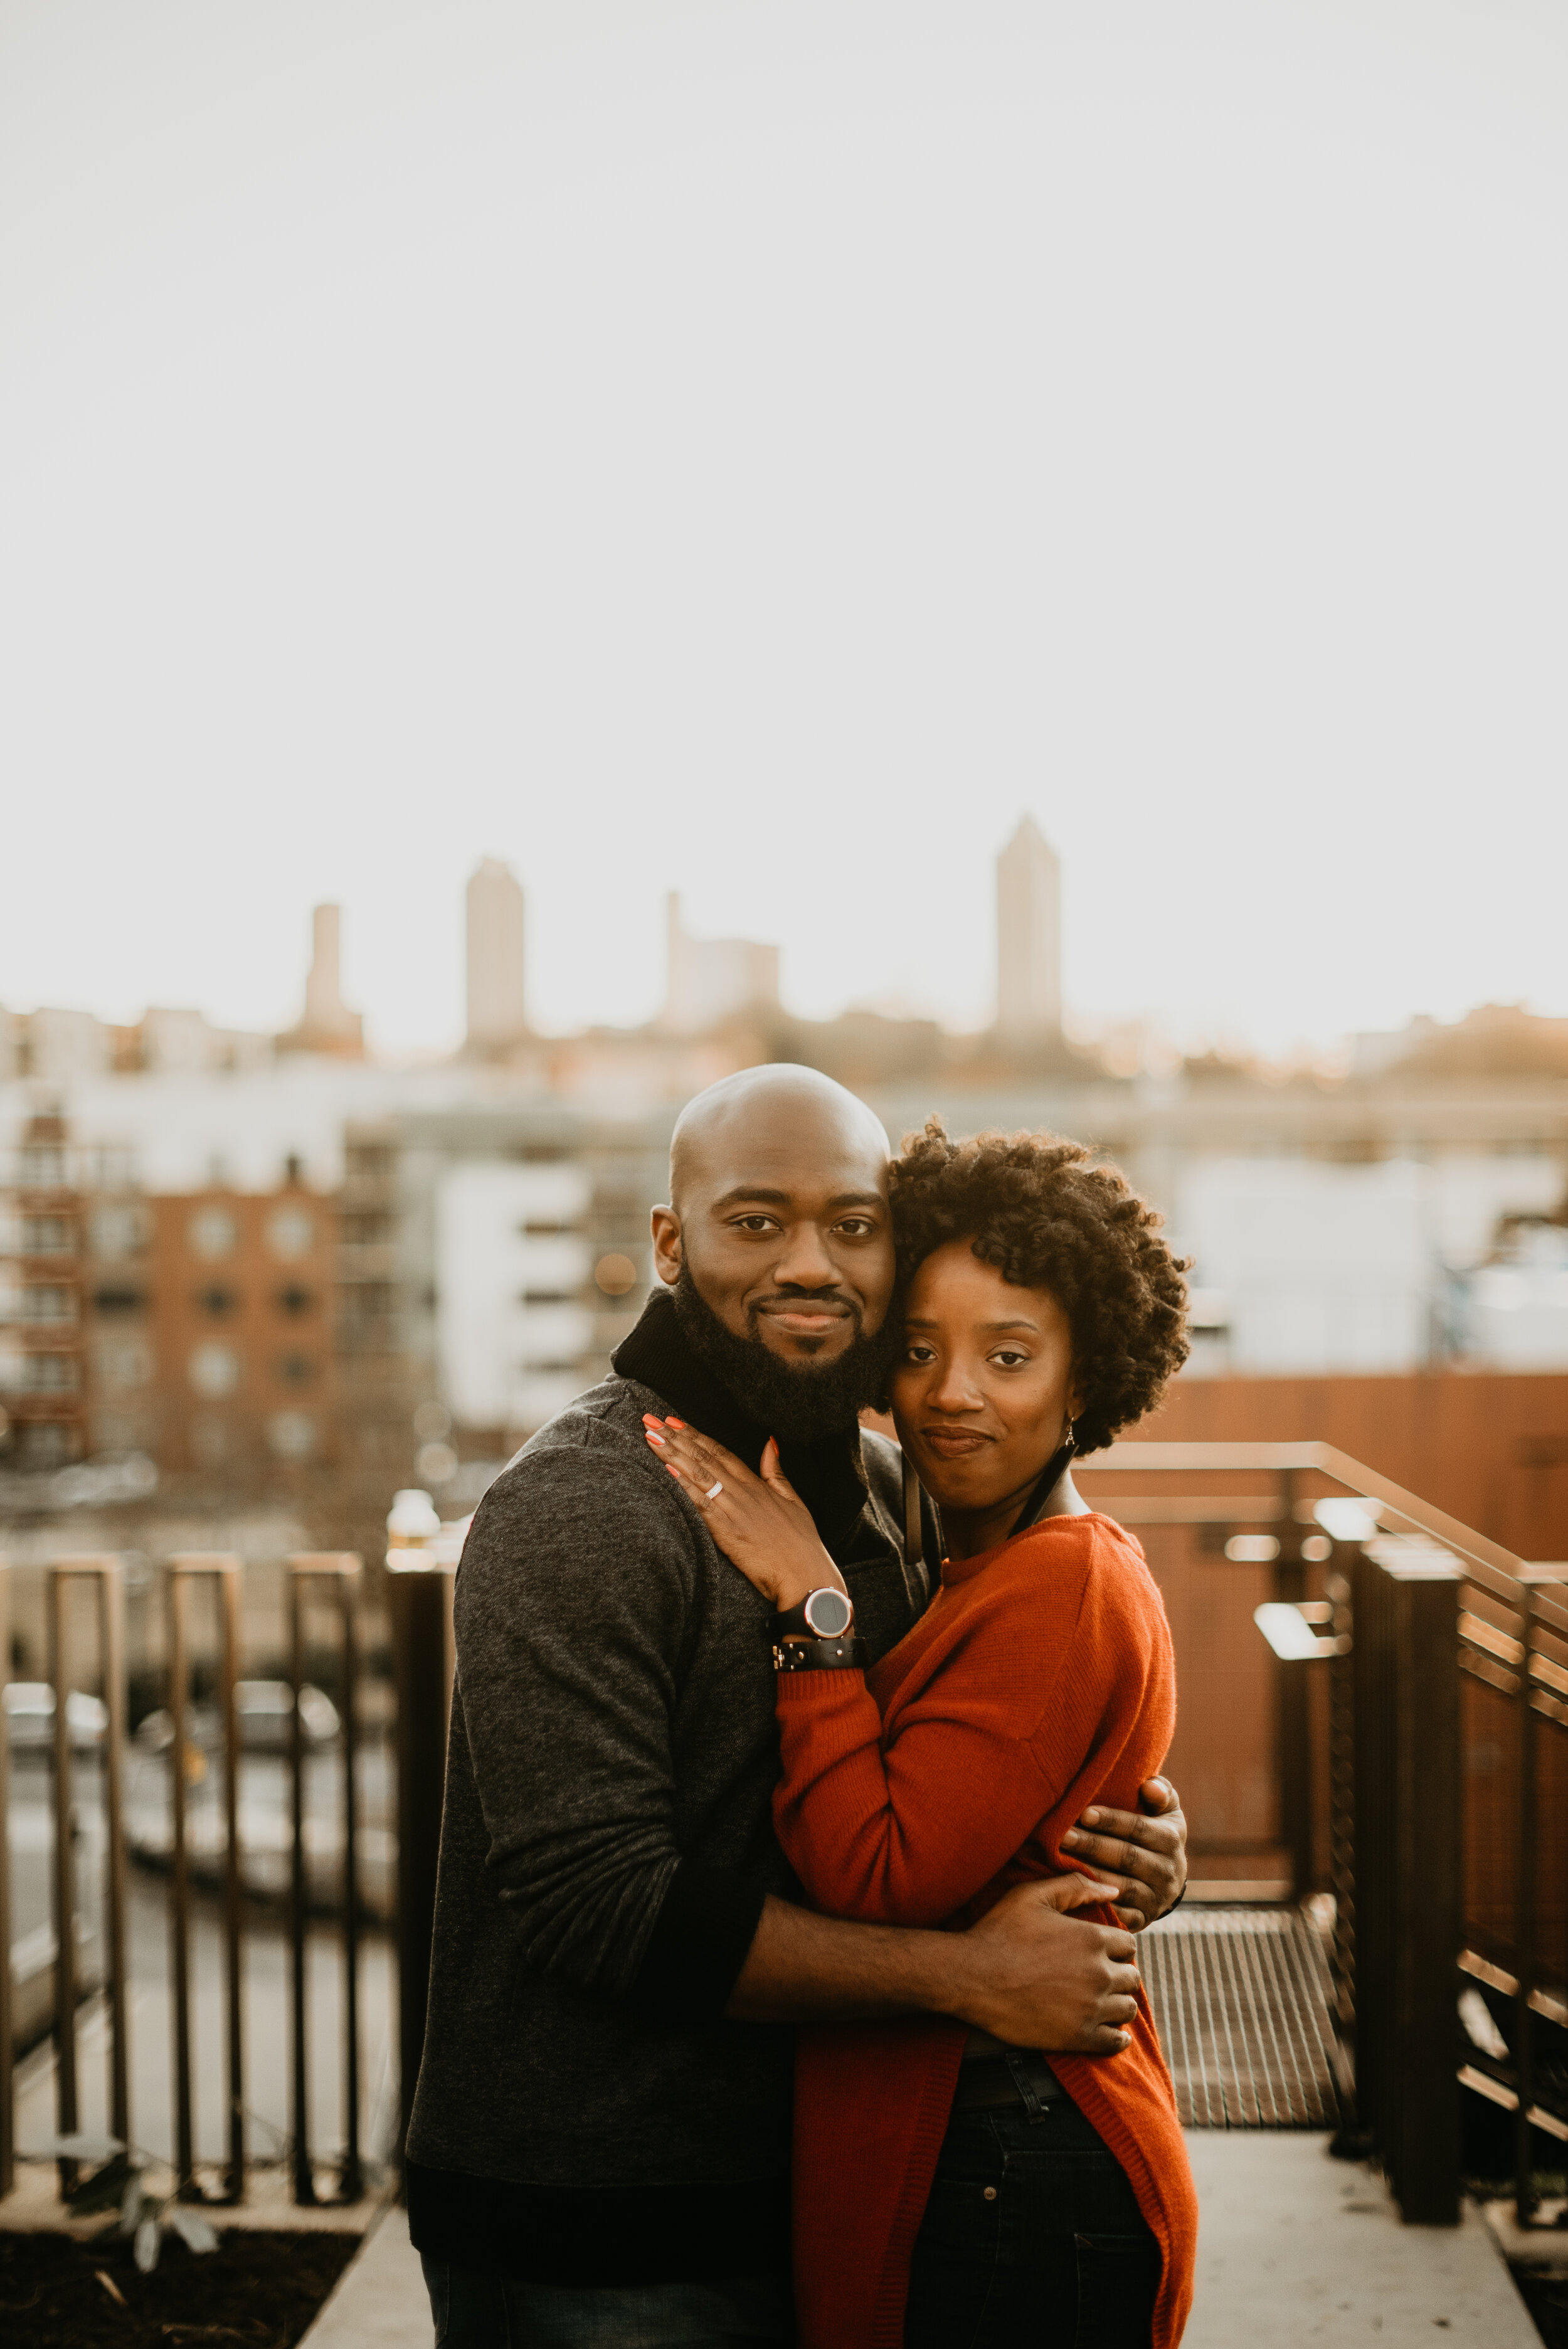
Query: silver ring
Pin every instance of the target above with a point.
(713, 1492)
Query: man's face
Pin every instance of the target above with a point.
(782, 1226)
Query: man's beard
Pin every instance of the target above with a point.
(796, 1401)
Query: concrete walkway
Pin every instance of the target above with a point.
(1295, 2249)
(380, 2301)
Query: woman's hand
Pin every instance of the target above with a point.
(760, 1523)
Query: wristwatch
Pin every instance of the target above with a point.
(824, 1614)
(817, 1635)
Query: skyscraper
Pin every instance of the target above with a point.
(707, 979)
(1028, 938)
(328, 1025)
(496, 1009)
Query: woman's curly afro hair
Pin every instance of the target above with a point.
(1033, 1205)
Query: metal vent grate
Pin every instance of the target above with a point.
(1241, 1999)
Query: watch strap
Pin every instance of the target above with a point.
(844, 1655)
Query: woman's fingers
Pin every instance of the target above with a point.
(693, 1458)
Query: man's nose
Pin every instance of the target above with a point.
(807, 1262)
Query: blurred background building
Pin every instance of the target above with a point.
(277, 1269)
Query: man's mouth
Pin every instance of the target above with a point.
(954, 1443)
(805, 1316)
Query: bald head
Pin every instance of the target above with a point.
(760, 1109)
(779, 1212)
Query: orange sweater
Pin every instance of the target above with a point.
(1039, 1681)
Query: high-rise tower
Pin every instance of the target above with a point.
(495, 1010)
(328, 1025)
(1028, 938)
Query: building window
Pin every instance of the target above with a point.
(216, 1301)
(44, 1443)
(41, 1169)
(48, 1305)
(294, 1299)
(292, 1435)
(296, 1369)
(118, 1300)
(118, 1231)
(213, 1232)
(290, 1232)
(126, 1362)
(47, 1236)
(51, 1374)
(208, 1442)
(214, 1370)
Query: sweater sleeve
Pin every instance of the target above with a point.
(903, 1828)
(572, 1610)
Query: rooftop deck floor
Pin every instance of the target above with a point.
(1295, 2249)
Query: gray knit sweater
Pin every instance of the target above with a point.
(606, 1845)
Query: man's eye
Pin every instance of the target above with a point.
(856, 1226)
(754, 1224)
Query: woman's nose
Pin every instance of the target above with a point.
(954, 1390)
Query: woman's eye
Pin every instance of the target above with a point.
(919, 1354)
(1009, 1360)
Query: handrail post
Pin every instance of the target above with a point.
(1408, 1886)
(420, 1590)
(1526, 1861)
(7, 2026)
(66, 2115)
(229, 1591)
(104, 1569)
(344, 1568)
(224, 1571)
(176, 1594)
(1293, 1699)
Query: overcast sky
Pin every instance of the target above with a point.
(761, 446)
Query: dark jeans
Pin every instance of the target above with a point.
(483, 2312)
(1032, 2235)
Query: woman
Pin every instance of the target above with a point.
(948, 2194)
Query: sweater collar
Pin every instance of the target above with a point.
(828, 1474)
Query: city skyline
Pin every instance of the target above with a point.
(1064, 439)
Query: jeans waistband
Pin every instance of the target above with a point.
(1020, 2076)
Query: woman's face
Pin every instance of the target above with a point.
(984, 1386)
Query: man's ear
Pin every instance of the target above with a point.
(666, 1227)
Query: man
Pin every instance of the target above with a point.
(599, 2148)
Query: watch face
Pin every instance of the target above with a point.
(829, 1613)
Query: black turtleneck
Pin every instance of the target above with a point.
(827, 1474)
(710, 1915)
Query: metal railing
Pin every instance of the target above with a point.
(1441, 1765)
(71, 1672)
(1426, 1789)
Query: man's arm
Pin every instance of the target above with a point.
(1144, 1857)
(1028, 1972)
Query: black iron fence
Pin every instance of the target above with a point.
(1421, 1744)
(1423, 1803)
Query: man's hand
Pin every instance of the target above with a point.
(1144, 1858)
(1035, 1977)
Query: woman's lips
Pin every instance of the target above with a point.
(954, 1443)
